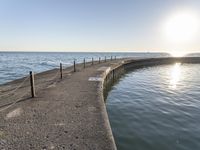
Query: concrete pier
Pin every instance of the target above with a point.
(67, 113)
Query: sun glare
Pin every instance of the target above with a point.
(175, 75)
(181, 27)
(177, 53)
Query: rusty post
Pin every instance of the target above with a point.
(84, 62)
(61, 70)
(74, 66)
(32, 84)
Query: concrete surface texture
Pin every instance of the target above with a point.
(66, 113)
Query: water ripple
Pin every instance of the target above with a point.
(14, 65)
(157, 108)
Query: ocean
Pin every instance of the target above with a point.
(14, 65)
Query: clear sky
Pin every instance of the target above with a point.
(94, 25)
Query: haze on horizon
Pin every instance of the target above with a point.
(104, 25)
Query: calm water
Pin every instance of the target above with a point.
(157, 108)
(14, 65)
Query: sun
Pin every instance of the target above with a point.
(178, 53)
(181, 27)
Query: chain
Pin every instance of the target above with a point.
(13, 91)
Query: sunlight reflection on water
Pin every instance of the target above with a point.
(175, 75)
(157, 108)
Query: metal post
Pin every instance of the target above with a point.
(92, 61)
(32, 84)
(111, 58)
(74, 66)
(84, 62)
(61, 70)
(105, 58)
(99, 60)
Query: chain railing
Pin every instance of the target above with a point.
(8, 105)
(13, 91)
(32, 82)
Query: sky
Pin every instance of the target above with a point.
(93, 25)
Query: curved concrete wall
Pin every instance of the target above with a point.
(115, 73)
(132, 64)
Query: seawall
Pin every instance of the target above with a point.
(67, 113)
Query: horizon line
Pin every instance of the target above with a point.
(85, 51)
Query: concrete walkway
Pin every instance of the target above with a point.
(66, 114)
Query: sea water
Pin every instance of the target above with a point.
(157, 108)
(15, 65)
